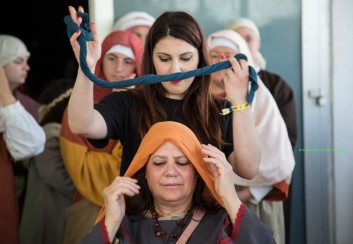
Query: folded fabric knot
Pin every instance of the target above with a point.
(72, 27)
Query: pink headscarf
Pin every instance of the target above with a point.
(124, 38)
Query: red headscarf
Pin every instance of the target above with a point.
(124, 38)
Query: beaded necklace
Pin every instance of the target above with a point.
(180, 225)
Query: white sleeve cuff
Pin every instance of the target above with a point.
(259, 192)
(24, 137)
(12, 109)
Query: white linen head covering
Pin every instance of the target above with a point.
(277, 158)
(243, 22)
(127, 51)
(11, 48)
(213, 41)
(132, 19)
(221, 41)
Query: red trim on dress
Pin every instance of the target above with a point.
(125, 233)
(225, 224)
(104, 232)
(238, 220)
(235, 227)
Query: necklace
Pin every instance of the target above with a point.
(180, 225)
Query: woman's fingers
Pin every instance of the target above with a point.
(93, 28)
(235, 64)
(73, 38)
(213, 152)
(239, 68)
(73, 13)
(217, 160)
(244, 66)
(131, 76)
(93, 47)
(236, 81)
(122, 186)
(235, 68)
(80, 9)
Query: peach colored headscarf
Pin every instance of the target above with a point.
(181, 136)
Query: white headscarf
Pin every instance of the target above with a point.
(11, 48)
(243, 22)
(133, 19)
(127, 51)
(215, 39)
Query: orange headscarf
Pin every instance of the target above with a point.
(181, 136)
(124, 38)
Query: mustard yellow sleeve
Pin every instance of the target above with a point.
(90, 169)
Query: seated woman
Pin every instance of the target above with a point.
(175, 191)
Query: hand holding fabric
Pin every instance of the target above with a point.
(93, 47)
(236, 81)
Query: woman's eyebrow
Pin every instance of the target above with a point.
(163, 157)
(179, 54)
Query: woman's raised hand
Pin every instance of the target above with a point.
(93, 47)
(221, 170)
(114, 202)
(236, 81)
(224, 179)
(114, 196)
(6, 96)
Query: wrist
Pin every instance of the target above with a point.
(232, 205)
(237, 100)
(235, 108)
(111, 228)
(7, 99)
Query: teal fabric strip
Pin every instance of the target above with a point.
(86, 35)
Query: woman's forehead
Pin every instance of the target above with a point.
(223, 50)
(173, 45)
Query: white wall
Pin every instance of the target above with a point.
(317, 121)
(102, 14)
(342, 85)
